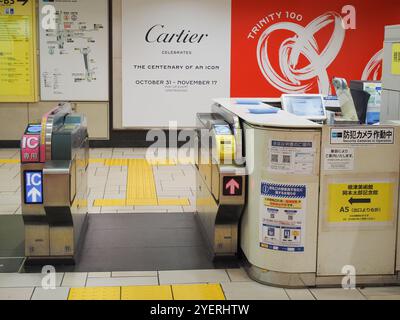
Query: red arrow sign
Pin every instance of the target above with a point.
(232, 185)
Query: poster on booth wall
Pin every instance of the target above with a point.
(395, 59)
(74, 50)
(292, 157)
(18, 65)
(282, 217)
(292, 46)
(361, 202)
(175, 60)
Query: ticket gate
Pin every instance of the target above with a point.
(221, 184)
(54, 165)
(321, 202)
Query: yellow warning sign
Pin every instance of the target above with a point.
(226, 147)
(18, 61)
(396, 59)
(361, 202)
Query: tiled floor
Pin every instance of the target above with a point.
(171, 182)
(108, 180)
(154, 285)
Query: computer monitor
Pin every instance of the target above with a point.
(309, 106)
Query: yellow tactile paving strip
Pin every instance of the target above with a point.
(202, 292)
(100, 293)
(9, 161)
(147, 293)
(198, 292)
(140, 184)
(140, 187)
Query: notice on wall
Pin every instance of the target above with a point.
(74, 50)
(362, 136)
(292, 157)
(282, 217)
(396, 58)
(18, 51)
(175, 60)
(339, 159)
(361, 202)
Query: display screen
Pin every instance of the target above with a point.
(222, 130)
(306, 106)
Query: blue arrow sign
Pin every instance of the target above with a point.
(33, 187)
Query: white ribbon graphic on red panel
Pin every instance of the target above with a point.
(290, 78)
(373, 67)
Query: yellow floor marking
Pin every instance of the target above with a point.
(109, 203)
(101, 161)
(116, 162)
(210, 292)
(156, 293)
(100, 293)
(174, 202)
(142, 202)
(140, 184)
(9, 161)
(141, 188)
(198, 292)
(119, 162)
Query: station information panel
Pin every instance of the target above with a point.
(18, 60)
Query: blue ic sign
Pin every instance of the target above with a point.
(34, 129)
(33, 187)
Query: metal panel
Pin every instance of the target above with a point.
(37, 240)
(62, 241)
(258, 155)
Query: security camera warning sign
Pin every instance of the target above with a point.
(361, 202)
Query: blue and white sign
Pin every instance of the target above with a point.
(34, 129)
(33, 187)
(282, 217)
(283, 191)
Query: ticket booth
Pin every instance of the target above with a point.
(321, 200)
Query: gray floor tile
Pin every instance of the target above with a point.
(380, 292)
(337, 294)
(58, 294)
(99, 275)
(16, 293)
(124, 274)
(238, 275)
(193, 276)
(122, 282)
(74, 280)
(19, 280)
(299, 294)
(252, 291)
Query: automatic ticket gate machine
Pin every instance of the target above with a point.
(221, 183)
(54, 164)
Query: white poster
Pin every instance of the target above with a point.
(292, 157)
(282, 217)
(175, 60)
(339, 159)
(74, 50)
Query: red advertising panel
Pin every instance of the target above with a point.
(292, 46)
